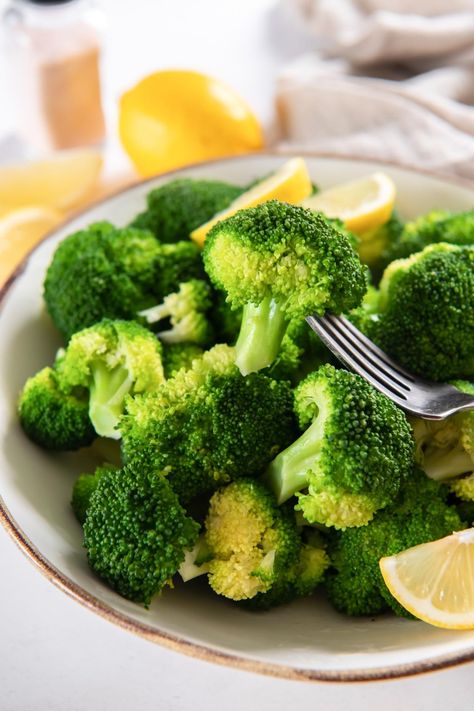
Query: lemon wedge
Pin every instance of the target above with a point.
(61, 182)
(290, 183)
(362, 205)
(20, 230)
(435, 581)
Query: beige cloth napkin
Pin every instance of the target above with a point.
(384, 82)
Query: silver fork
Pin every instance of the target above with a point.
(432, 401)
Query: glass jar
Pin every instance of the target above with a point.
(53, 53)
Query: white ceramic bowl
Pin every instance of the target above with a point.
(303, 640)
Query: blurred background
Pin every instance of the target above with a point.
(384, 79)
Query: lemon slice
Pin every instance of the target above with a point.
(20, 230)
(435, 581)
(362, 205)
(290, 183)
(60, 182)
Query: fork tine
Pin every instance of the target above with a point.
(375, 350)
(354, 360)
(382, 364)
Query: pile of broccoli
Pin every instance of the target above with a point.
(249, 458)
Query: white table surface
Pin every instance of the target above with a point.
(54, 654)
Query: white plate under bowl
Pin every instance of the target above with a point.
(303, 640)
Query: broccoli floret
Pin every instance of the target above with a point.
(84, 487)
(445, 448)
(353, 456)
(100, 272)
(175, 209)
(278, 262)
(251, 540)
(209, 424)
(51, 418)
(463, 487)
(425, 315)
(179, 355)
(111, 359)
(186, 310)
(106, 272)
(437, 226)
(299, 579)
(418, 515)
(136, 532)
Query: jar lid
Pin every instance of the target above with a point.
(49, 2)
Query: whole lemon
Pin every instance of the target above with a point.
(174, 118)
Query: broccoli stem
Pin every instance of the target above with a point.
(107, 393)
(448, 463)
(196, 561)
(261, 333)
(288, 473)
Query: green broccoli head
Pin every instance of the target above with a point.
(352, 458)
(51, 418)
(187, 312)
(100, 271)
(209, 424)
(111, 359)
(280, 261)
(84, 487)
(445, 448)
(175, 209)
(136, 532)
(179, 355)
(300, 578)
(419, 514)
(426, 319)
(251, 540)
(437, 226)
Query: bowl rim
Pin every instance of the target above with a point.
(175, 642)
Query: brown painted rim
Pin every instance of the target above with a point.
(174, 642)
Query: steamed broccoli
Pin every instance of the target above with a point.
(354, 455)
(84, 487)
(51, 418)
(279, 262)
(252, 542)
(111, 360)
(175, 209)
(209, 424)
(445, 448)
(425, 315)
(437, 226)
(300, 578)
(187, 311)
(103, 271)
(136, 532)
(179, 355)
(419, 514)
(100, 271)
